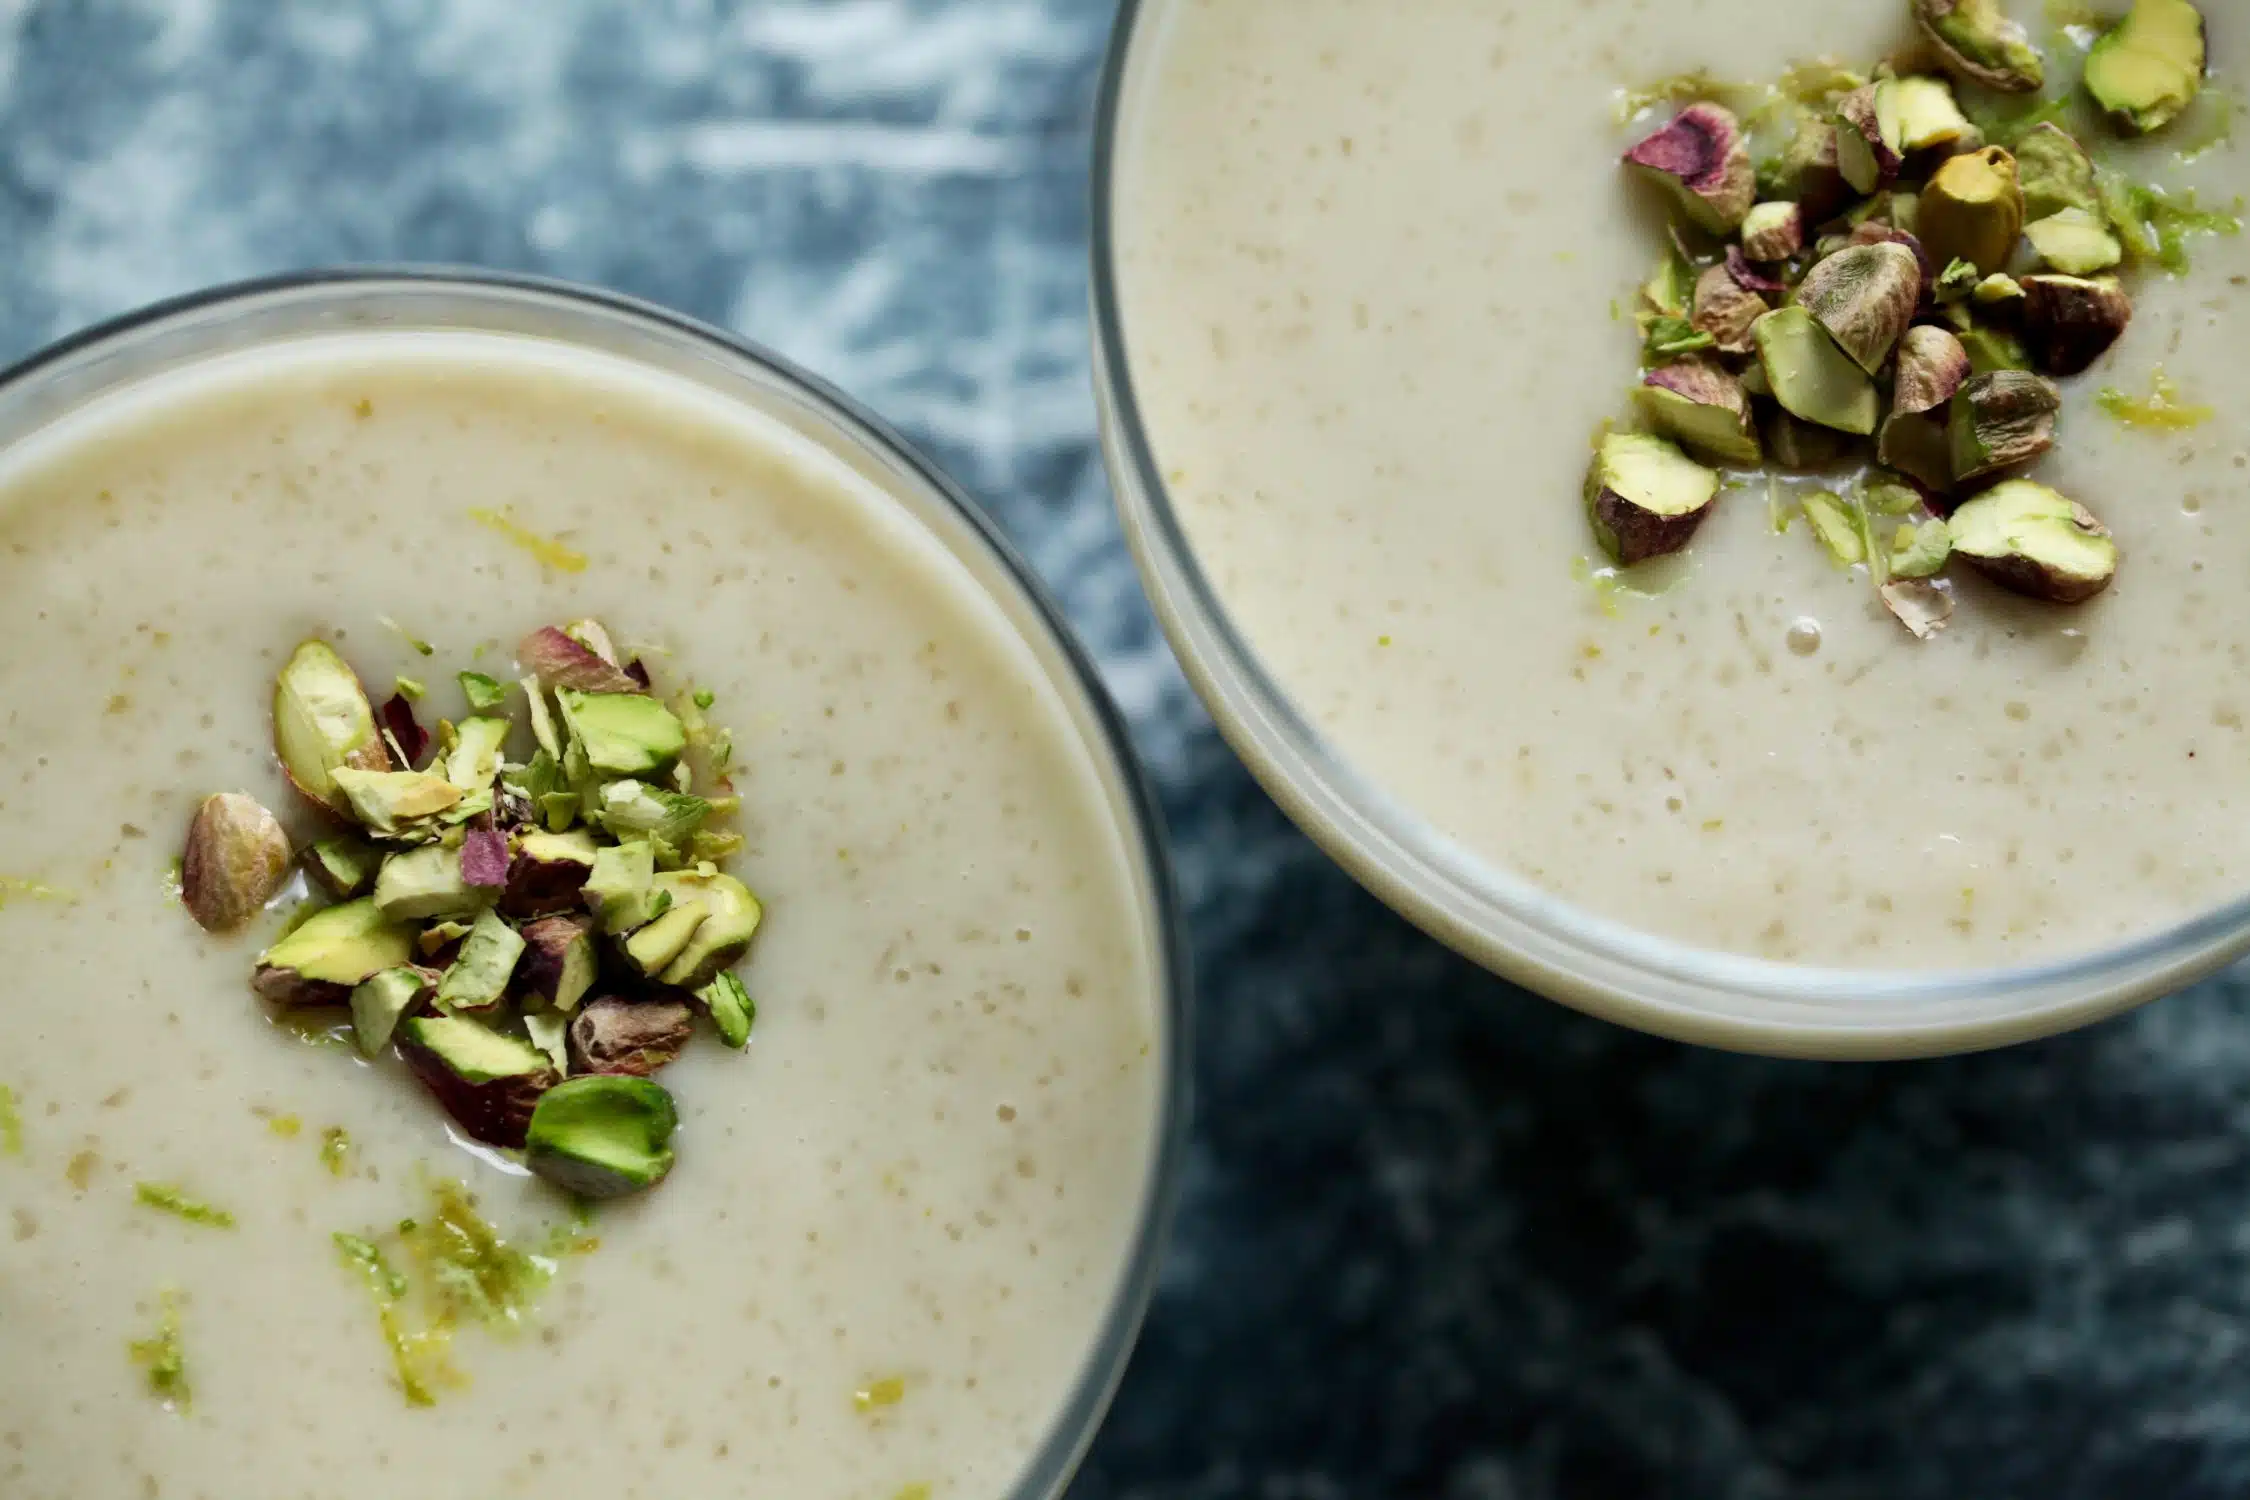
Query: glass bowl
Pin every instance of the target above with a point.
(87, 365)
(1491, 914)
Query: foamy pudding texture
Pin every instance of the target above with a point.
(1369, 254)
(928, 1166)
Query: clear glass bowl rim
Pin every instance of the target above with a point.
(466, 290)
(1497, 918)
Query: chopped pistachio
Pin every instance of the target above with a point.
(482, 692)
(168, 1198)
(2001, 421)
(409, 688)
(474, 759)
(1998, 291)
(381, 1000)
(1921, 551)
(345, 865)
(704, 698)
(731, 1009)
(1695, 403)
(488, 1082)
(707, 847)
(1868, 162)
(2149, 68)
(1991, 348)
(1811, 375)
(1973, 210)
(323, 722)
(1798, 446)
(1932, 365)
(236, 860)
(1957, 283)
(391, 803)
(602, 1136)
(1916, 444)
(1978, 42)
(1668, 339)
(1644, 498)
(613, 1036)
(1920, 605)
(2070, 322)
(549, 1031)
(1889, 497)
(438, 936)
(1773, 232)
(2035, 541)
(1836, 525)
(2075, 242)
(722, 938)
(419, 884)
(331, 951)
(478, 977)
(624, 734)
(1920, 114)
(1703, 158)
(1725, 309)
(2055, 173)
(1865, 298)
(559, 660)
(633, 809)
(559, 963)
(621, 889)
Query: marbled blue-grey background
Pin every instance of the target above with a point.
(1439, 1239)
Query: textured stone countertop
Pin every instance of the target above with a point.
(1439, 1239)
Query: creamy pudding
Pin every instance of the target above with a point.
(1376, 269)
(899, 1220)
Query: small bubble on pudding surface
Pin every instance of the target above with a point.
(1804, 635)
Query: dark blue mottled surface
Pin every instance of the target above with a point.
(1439, 1239)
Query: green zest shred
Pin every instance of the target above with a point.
(167, 1198)
(12, 886)
(161, 1356)
(336, 1150)
(11, 1123)
(2161, 410)
(550, 553)
(449, 1269)
(2154, 225)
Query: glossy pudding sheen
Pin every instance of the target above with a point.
(925, 1170)
(1368, 259)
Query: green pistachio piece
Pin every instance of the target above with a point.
(474, 761)
(1865, 297)
(1972, 210)
(1670, 288)
(634, 809)
(655, 945)
(1868, 162)
(478, 978)
(602, 1136)
(1920, 114)
(419, 884)
(731, 1009)
(559, 962)
(1921, 551)
(624, 734)
(1701, 407)
(1977, 42)
(2055, 172)
(1921, 606)
(1990, 348)
(1887, 497)
(1958, 283)
(1645, 498)
(542, 719)
(484, 693)
(331, 951)
(2149, 68)
(236, 860)
(381, 999)
(345, 865)
(392, 802)
(1725, 309)
(1998, 291)
(622, 889)
(732, 919)
(549, 1031)
(2074, 242)
(1811, 375)
(488, 1082)
(322, 721)
(2035, 541)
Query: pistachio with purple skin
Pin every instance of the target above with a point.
(1747, 275)
(1702, 407)
(1725, 309)
(1869, 163)
(1932, 366)
(1977, 41)
(1645, 498)
(2069, 321)
(2001, 420)
(1704, 159)
(632, 1038)
(1773, 232)
(559, 962)
(484, 858)
(1865, 297)
(560, 660)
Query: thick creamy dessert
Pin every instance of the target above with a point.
(898, 1219)
(1377, 270)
